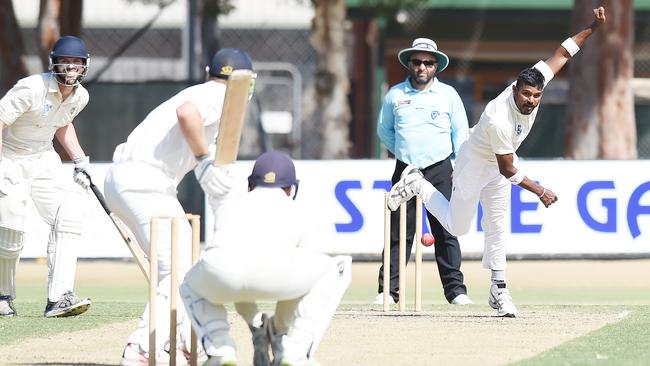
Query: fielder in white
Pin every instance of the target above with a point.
(263, 251)
(486, 166)
(35, 111)
(173, 139)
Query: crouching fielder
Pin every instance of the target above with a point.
(272, 264)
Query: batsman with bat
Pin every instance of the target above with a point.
(36, 110)
(486, 166)
(174, 139)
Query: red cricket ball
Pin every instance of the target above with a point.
(427, 240)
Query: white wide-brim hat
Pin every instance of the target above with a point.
(423, 45)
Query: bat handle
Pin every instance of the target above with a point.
(98, 194)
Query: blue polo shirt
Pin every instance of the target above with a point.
(422, 127)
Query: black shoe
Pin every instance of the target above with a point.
(68, 305)
(7, 306)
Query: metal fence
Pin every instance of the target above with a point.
(283, 59)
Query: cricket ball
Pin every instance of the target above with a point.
(427, 240)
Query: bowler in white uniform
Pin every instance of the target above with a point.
(486, 166)
(262, 251)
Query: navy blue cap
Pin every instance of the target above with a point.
(273, 169)
(227, 60)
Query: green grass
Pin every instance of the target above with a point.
(362, 294)
(110, 304)
(574, 296)
(624, 343)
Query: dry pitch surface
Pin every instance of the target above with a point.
(361, 334)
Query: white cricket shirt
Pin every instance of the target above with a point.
(33, 110)
(264, 218)
(158, 140)
(502, 127)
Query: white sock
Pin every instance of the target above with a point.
(426, 189)
(498, 276)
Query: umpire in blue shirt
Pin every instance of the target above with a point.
(423, 122)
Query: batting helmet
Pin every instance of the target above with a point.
(69, 46)
(273, 169)
(226, 60)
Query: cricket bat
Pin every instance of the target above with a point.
(238, 89)
(134, 248)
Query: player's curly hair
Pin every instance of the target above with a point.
(530, 76)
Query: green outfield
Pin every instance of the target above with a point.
(571, 313)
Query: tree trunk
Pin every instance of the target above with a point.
(56, 18)
(601, 122)
(12, 64)
(210, 33)
(70, 16)
(48, 28)
(331, 115)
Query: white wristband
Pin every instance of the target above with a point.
(570, 46)
(517, 178)
(84, 160)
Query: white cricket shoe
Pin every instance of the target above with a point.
(7, 306)
(501, 300)
(462, 299)
(406, 187)
(379, 299)
(68, 305)
(134, 355)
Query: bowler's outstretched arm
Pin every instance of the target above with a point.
(572, 45)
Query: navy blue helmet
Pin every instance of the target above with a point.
(69, 46)
(226, 60)
(274, 169)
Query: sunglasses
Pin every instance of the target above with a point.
(417, 62)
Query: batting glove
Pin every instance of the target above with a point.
(214, 180)
(82, 172)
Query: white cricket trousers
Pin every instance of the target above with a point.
(475, 180)
(137, 192)
(246, 275)
(42, 180)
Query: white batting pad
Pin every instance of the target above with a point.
(316, 309)
(140, 335)
(62, 250)
(61, 263)
(210, 322)
(11, 244)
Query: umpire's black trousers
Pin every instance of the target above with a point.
(448, 255)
